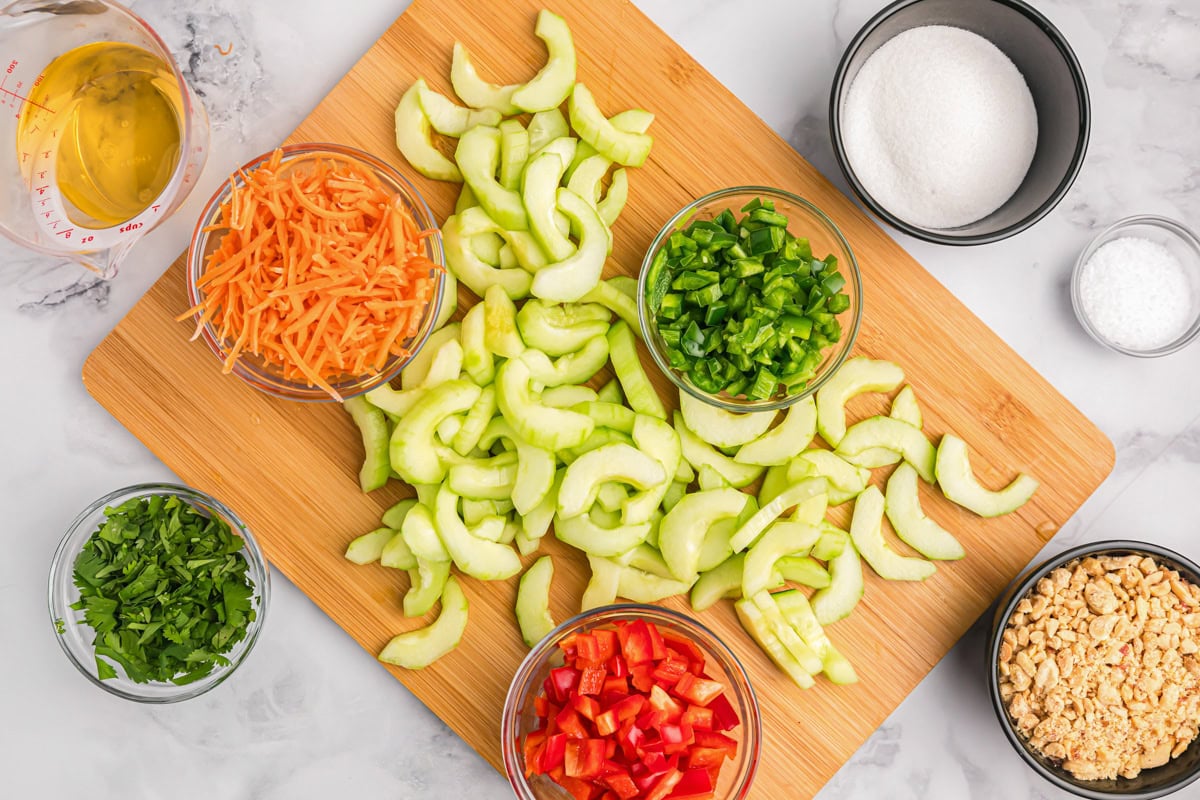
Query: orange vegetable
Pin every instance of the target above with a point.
(321, 272)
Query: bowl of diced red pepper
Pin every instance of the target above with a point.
(631, 702)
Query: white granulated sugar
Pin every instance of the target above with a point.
(939, 126)
(1136, 293)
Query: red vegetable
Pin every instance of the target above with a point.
(631, 715)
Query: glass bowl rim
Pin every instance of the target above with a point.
(710, 643)
(60, 570)
(845, 344)
(1020, 588)
(276, 386)
(1172, 227)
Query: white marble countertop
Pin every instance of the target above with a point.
(313, 716)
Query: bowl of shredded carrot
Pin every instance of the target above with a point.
(315, 273)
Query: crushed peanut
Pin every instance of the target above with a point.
(1098, 666)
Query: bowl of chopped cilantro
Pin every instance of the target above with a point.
(750, 299)
(158, 592)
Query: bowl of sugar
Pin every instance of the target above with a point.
(1136, 287)
(959, 122)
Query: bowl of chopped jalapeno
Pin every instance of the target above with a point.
(749, 299)
(158, 592)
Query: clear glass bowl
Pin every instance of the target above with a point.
(805, 221)
(75, 636)
(266, 377)
(519, 717)
(1179, 240)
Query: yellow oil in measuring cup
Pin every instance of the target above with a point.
(113, 140)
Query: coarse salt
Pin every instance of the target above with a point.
(939, 127)
(1136, 293)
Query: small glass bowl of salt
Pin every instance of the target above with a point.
(1136, 288)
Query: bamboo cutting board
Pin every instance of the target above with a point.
(289, 469)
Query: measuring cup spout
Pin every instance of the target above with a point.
(105, 263)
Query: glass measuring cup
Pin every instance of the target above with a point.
(45, 124)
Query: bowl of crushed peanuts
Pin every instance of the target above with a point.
(1094, 670)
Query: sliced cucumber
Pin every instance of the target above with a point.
(477, 274)
(500, 332)
(653, 436)
(479, 558)
(786, 441)
(611, 393)
(805, 656)
(449, 427)
(586, 179)
(683, 529)
(538, 193)
(584, 532)
(533, 601)
(396, 554)
(484, 479)
(630, 149)
(568, 396)
(716, 548)
(395, 515)
(724, 580)
(608, 295)
(803, 570)
(812, 511)
(414, 454)
(535, 466)
(450, 119)
(615, 416)
(428, 582)
(553, 82)
(866, 532)
(569, 279)
(536, 522)
(449, 299)
(570, 369)
(614, 200)
(799, 613)
(420, 648)
(903, 508)
(373, 427)
(474, 90)
(779, 540)
(478, 156)
(560, 329)
(413, 138)
(601, 588)
(709, 478)
(700, 454)
(719, 427)
(367, 549)
(514, 153)
(756, 625)
(773, 483)
(487, 247)
(545, 127)
(845, 587)
(845, 479)
(644, 587)
(421, 536)
(856, 376)
(417, 370)
(597, 438)
(892, 434)
(906, 409)
(831, 544)
(444, 365)
(611, 495)
(639, 391)
(675, 492)
(476, 422)
(750, 532)
(466, 199)
(959, 484)
(477, 358)
(614, 462)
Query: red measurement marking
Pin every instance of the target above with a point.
(65, 234)
(42, 175)
(41, 189)
(154, 208)
(23, 98)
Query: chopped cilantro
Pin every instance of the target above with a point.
(165, 589)
(59, 625)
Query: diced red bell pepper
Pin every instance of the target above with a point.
(698, 691)
(629, 707)
(724, 717)
(696, 784)
(638, 643)
(642, 677)
(651, 719)
(570, 723)
(698, 717)
(588, 707)
(658, 648)
(553, 753)
(661, 701)
(618, 666)
(606, 642)
(677, 734)
(584, 758)
(563, 681)
(579, 789)
(623, 785)
(671, 669)
(586, 647)
(615, 686)
(665, 785)
(705, 757)
(535, 743)
(684, 646)
(606, 723)
(717, 740)
(591, 681)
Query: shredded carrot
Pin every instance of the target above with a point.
(321, 273)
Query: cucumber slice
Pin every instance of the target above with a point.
(449, 299)
(560, 329)
(615, 199)
(786, 441)
(653, 436)
(709, 478)
(779, 540)
(477, 274)
(535, 467)
(428, 582)
(866, 532)
(614, 462)
(538, 193)
(514, 153)
(474, 90)
(484, 479)
(630, 149)
(444, 365)
(466, 199)
(478, 157)
(640, 586)
(959, 484)
(533, 601)
(395, 515)
(500, 324)
(413, 138)
(553, 82)
(716, 548)
(570, 369)
(799, 613)
(477, 358)
(617, 417)
(856, 376)
(489, 529)
(611, 393)
(373, 427)
(568, 397)
(585, 533)
(831, 544)
(845, 587)
(450, 427)
(683, 529)
(536, 522)
(633, 120)
(476, 422)
(611, 496)
(639, 391)
(724, 580)
(564, 147)
(569, 279)
(551, 429)
(773, 483)
(601, 588)
(396, 554)
(892, 434)
(586, 179)
(476, 511)
(367, 549)
(417, 369)
(507, 259)
(803, 570)
(787, 635)
(414, 454)
(700, 454)
(421, 536)
(753, 528)
(756, 625)
(905, 408)
(719, 427)
(487, 247)
(450, 119)
(903, 508)
(675, 492)
(845, 479)
(479, 558)
(420, 648)
(545, 127)
(608, 295)
(812, 511)
(597, 438)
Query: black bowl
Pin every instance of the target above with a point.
(1055, 80)
(1157, 782)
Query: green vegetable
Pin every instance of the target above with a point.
(372, 424)
(533, 601)
(420, 648)
(742, 305)
(164, 586)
